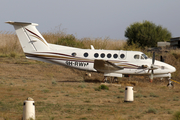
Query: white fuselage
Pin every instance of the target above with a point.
(83, 59)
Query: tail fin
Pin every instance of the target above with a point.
(30, 38)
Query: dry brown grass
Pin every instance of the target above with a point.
(9, 43)
(98, 43)
(106, 43)
(60, 93)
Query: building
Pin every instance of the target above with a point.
(163, 44)
(175, 42)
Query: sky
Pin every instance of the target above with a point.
(91, 18)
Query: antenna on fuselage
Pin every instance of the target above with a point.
(92, 47)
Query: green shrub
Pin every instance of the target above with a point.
(153, 95)
(121, 91)
(138, 95)
(151, 110)
(69, 40)
(176, 115)
(97, 89)
(13, 54)
(104, 87)
(82, 86)
(54, 82)
(120, 96)
(45, 91)
(176, 98)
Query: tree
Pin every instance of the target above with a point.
(146, 34)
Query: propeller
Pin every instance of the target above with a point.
(152, 67)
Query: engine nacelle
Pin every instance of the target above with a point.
(163, 75)
(113, 75)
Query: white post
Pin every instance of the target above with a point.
(29, 109)
(129, 95)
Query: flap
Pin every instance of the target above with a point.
(105, 66)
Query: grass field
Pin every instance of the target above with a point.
(63, 93)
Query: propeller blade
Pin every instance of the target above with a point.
(152, 67)
(153, 58)
(151, 77)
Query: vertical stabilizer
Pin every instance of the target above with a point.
(30, 38)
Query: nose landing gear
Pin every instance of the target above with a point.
(170, 84)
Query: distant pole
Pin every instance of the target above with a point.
(29, 109)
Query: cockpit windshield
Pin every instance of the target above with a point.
(143, 56)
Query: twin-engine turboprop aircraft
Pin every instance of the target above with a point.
(114, 63)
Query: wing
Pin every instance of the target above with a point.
(105, 66)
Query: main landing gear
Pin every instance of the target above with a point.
(112, 79)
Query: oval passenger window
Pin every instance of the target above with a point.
(102, 55)
(96, 55)
(109, 55)
(86, 54)
(122, 56)
(115, 55)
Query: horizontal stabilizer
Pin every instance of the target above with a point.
(21, 23)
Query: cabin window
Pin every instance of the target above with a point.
(102, 55)
(96, 55)
(115, 55)
(136, 56)
(73, 54)
(122, 56)
(144, 56)
(108, 55)
(86, 54)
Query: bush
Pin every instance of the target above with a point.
(151, 110)
(176, 115)
(82, 86)
(104, 87)
(138, 95)
(97, 89)
(146, 34)
(69, 40)
(54, 82)
(153, 95)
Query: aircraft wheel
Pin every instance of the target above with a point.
(170, 84)
(105, 79)
(115, 79)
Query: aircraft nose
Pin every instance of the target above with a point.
(173, 69)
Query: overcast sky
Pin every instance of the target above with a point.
(91, 18)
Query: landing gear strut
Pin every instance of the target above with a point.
(105, 79)
(170, 84)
